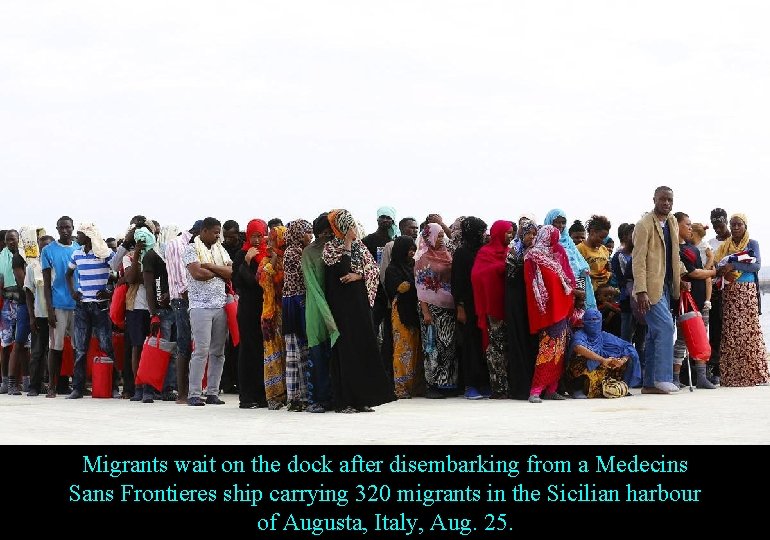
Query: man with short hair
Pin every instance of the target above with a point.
(375, 243)
(92, 309)
(275, 222)
(208, 269)
(232, 242)
(55, 260)
(657, 273)
(112, 244)
(13, 315)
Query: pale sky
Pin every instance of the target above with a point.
(237, 109)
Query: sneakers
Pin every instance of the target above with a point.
(554, 396)
(149, 394)
(214, 400)
(75, 395)
(472, 393)
(33, 392)
(138, 394)
(51, 393)
(196, 402)
(116, 394)
(534, 398)
(169, 395)
(4, 387)
(13, 390)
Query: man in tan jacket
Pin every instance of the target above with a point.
(656, 267)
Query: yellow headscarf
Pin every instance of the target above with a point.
(728, 247)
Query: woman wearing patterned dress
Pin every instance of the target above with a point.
(433, 277)
(743, 357)
(402, 297)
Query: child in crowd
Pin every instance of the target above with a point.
(607, 303)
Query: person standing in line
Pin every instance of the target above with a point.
(595, 252)
(433, 279)
(251, 349)
(488, 281)
(719, 224)
(522, 345)
(550, 301)
(408, 227)
(155, 277)
(697, 277)
(375, 243)
(473, 365)
(657, 271)
(322, 332)
(231, 240)
(92, 261)
(402, 295)
(35, 296)
(299, 234)
(359, 380)
(569, 241)
(178, 287)
(208, 269)
(270, 275)
(61, 306)
(743, 360)
(14, 325)
(632, 327)
(137, 310)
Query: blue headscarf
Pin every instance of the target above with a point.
(391, 213)
(607, 345)
(577, 262)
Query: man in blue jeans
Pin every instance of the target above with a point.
(92, 310)
(657, 274)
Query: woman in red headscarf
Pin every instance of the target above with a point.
(488, 281)
(550, 285)
(251, 385)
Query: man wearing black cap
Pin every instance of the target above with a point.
(177, 290)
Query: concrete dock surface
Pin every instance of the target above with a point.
(734, 416)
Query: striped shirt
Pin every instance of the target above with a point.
(177, 271)
(92, 271)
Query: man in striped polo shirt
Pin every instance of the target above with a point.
(92, 262)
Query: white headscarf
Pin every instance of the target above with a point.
(167, 234)
(31, 252)
(98, 245)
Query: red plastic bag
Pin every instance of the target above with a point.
(153, 364)
(67, 358)
(231, 311)
(119, 349)
(118, 306)
(693, 329)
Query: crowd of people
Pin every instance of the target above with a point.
(328, 318)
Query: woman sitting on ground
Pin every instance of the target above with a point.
(596, 356)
